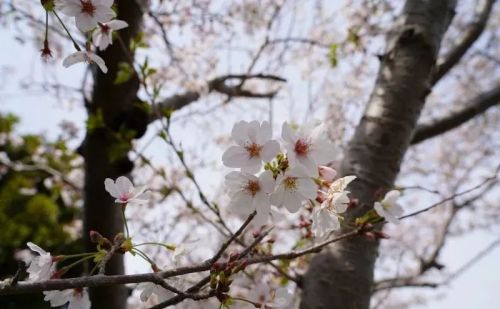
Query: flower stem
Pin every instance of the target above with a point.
(67, 31)
(168, 247)
(144, 256)
(78, 255)
(125, 222)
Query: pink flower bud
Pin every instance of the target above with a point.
(327, 173)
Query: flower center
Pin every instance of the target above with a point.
(104, 28)
(253, 150)
(252, 187)
(124, 197)
(290, 183)
(301, 147)
(87, 7)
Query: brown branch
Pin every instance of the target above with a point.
(472, 34)
(221, 86)
(478, 106)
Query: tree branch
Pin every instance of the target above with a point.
(219, 85)
(472, 34)
(479, 105)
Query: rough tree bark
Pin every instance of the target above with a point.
(342, 277)
(105, 149)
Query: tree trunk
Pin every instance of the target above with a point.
(342, 276)
(106, 148)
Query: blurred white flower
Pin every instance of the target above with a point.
(76, 298)
(103, 35)
(307, 146)
(150, 289)
(293, 187)
(125, 192)
(41, 267)
(254, 145)
(389, 208)
(87, 13)
(249, 193)
(85, 56)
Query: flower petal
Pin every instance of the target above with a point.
(235, 156)
(99, 61)
(36, 248)
(85, 22)
(267, 182)
(269, 150)
(124, 185)
(79, 56)
(117, 24)
(110, 186)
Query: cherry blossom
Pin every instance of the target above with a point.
(150, 289)
(125, 192)
(281, 299)
(326, 216)
(327, 174)
(103, 35)
(254, 145)
(249, 193)
(87, 13)
(85, 56)
(294, 187)
(76, 298)
(41, 267)
(389, 208)
(307, 146)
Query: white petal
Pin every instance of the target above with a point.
(239, 133)
(85, 22)
(267, 182)
(391, 218)
(36, 248)
(110, 186)
(79, 56)
(99, 61)
(323, 153)
(307, 188)
(396, 210)
(379, 209)
(292, 202)
(265, 132)
(124, 185)
(80, 301)
(235, 156)
(287, 134)
(391, 196)
(117, 24)
(269, 150)
(106, 3)
(252, 165)
(69, 8)
(278, 196)
(241, 203)
(310, 166)
(253, 131)
(103, 14)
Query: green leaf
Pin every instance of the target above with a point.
(125, 72)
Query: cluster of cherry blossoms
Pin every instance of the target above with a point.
(92, 17)
(294, 174)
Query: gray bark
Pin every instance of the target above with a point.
(342, 276)
(105, 151)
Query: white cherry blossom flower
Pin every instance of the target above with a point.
(326, 217)
(281, 299)
(293, 187)
(87, 13)
(249, 193)
(152, 290)
(125, 192)
(327, 174)
(389, 208)
(103, 35)
(76, 298)
(307, 146)
(41, 267)
(254, 145)
(85, 56)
